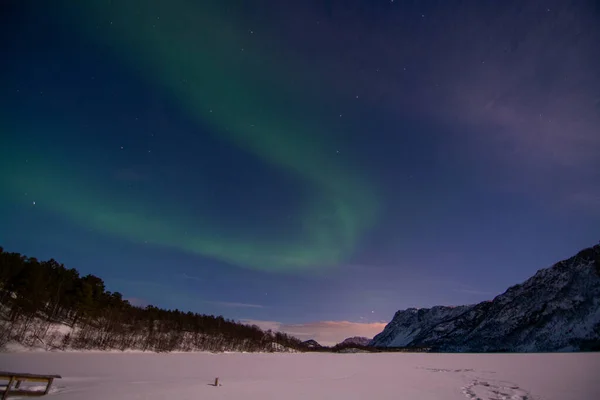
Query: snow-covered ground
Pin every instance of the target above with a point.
(400, 376)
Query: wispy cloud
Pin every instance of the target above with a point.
(468, 289)
(529, 98)
(184, 295)
(325, 332)
(528, 104)
(144, 284)
(523, 102)
(190, 277)
(475, 292)
(234, 304)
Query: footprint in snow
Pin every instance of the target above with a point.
(486, 390)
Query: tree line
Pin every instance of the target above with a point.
(43, 303)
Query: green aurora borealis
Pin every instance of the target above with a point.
(245, 97)
(320, 160)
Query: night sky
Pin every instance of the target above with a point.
(311, 165)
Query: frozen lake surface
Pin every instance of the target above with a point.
(400, 376)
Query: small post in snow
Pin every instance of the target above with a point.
(217, 382)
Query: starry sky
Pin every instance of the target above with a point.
(307, 166)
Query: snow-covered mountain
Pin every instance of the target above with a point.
(557, 309)
(356, 340)
(312, 344)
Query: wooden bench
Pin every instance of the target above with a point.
(18, 378)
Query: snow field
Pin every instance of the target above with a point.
(399, 376)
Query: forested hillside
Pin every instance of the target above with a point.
(45, 304)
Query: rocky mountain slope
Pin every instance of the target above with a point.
(557, 309)
(356, 340)
(311, 344)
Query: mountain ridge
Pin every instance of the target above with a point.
(557, 309)
(355, 340)
(312, 344)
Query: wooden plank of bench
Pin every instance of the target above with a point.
(7, 375)
(24, 379)
(26, 375)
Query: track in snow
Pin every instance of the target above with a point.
(480, 388)
(490, 390)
